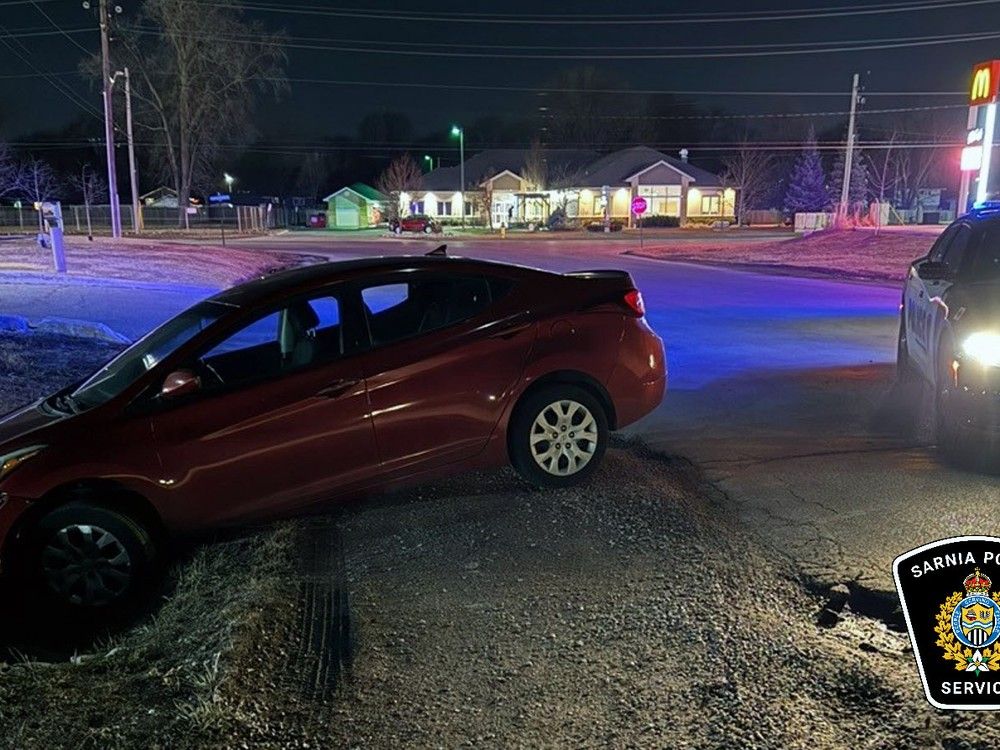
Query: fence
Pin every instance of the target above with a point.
(246, 219)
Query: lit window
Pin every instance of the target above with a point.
(710, 204)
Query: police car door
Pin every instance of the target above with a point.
(919, 309)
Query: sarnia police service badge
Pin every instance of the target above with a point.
(953, 614)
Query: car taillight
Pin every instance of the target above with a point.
(633, 300)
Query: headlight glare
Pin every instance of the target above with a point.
(12, 460)
(984, 348)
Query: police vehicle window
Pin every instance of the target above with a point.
(985, 262)
(939, 247)
(399, 311)
(955, 252)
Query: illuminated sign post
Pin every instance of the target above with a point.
(978, 152)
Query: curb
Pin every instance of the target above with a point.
(86, 329)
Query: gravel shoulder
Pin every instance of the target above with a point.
(633, 612)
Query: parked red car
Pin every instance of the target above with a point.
(414, 223)
(312, 385)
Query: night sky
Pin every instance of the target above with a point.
(314, 110)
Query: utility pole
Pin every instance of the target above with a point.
(133, 172)
(849, 157)
(109, 125)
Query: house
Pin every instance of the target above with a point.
(501, 186)
(356, 206)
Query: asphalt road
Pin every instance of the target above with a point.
(781, 395)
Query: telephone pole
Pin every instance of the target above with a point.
(109, 124)
(849, 157)
(133, 173)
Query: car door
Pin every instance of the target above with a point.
(920, 307)
(281, 420)
(446, 354)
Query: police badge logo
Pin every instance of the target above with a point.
(953, 615)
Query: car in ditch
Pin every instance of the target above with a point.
(304, 388)
(949, 333)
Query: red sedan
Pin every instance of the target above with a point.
(313, 385)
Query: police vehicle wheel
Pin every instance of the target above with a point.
(951, 439)
(905, 371)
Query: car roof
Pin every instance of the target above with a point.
(304, 278)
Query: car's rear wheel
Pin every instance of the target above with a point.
(86, 555)
(398, 229)
(428, 229)
(558, 435)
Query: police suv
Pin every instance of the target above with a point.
(949, 331)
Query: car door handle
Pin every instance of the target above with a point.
(338, 387)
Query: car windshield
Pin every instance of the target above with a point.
(145, 354)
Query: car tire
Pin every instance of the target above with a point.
(86, 556)
(428, 229)
(905, 371)
(557, 436)
(950, 438)
(397, 230)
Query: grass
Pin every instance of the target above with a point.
(147, 260)
(853, 254)
(158, 684)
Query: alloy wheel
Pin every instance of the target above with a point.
(86, 565)
(563, 437)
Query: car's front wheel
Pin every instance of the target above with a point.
(86, 555)
(905, 371)
(558, 435)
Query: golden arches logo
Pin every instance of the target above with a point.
(981, 85)
(984, 83)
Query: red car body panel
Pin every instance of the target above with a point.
(434, 404)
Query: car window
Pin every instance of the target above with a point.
(954, 253)
(304, 333)
(941, 245)
(984, 264)
(401, 310)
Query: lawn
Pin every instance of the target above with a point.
(851, 254)
(145, 260)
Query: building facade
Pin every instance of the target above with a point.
(508, 187)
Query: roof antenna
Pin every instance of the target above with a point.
(439, 251)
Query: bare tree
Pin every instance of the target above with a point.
(488, 203)
(37, 183)
(535, 167)
(750, 172)
(403, 175)
(93, 188)
(9, 172)
(197, 69)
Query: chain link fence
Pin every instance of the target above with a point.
(78, 219)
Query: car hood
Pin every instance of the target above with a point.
(21, 422)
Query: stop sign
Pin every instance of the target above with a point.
(638, 205)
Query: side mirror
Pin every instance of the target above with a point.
(180, 383)
(932, 270)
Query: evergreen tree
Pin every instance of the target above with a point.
(857, 191)
(807, 191)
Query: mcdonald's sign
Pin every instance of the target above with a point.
(985, 80)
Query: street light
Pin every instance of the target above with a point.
(229, 180)
(457, 131)
(430, 161)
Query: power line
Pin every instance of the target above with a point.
(744, 50)
(56, 84)
(600, 19)
(66, 34)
